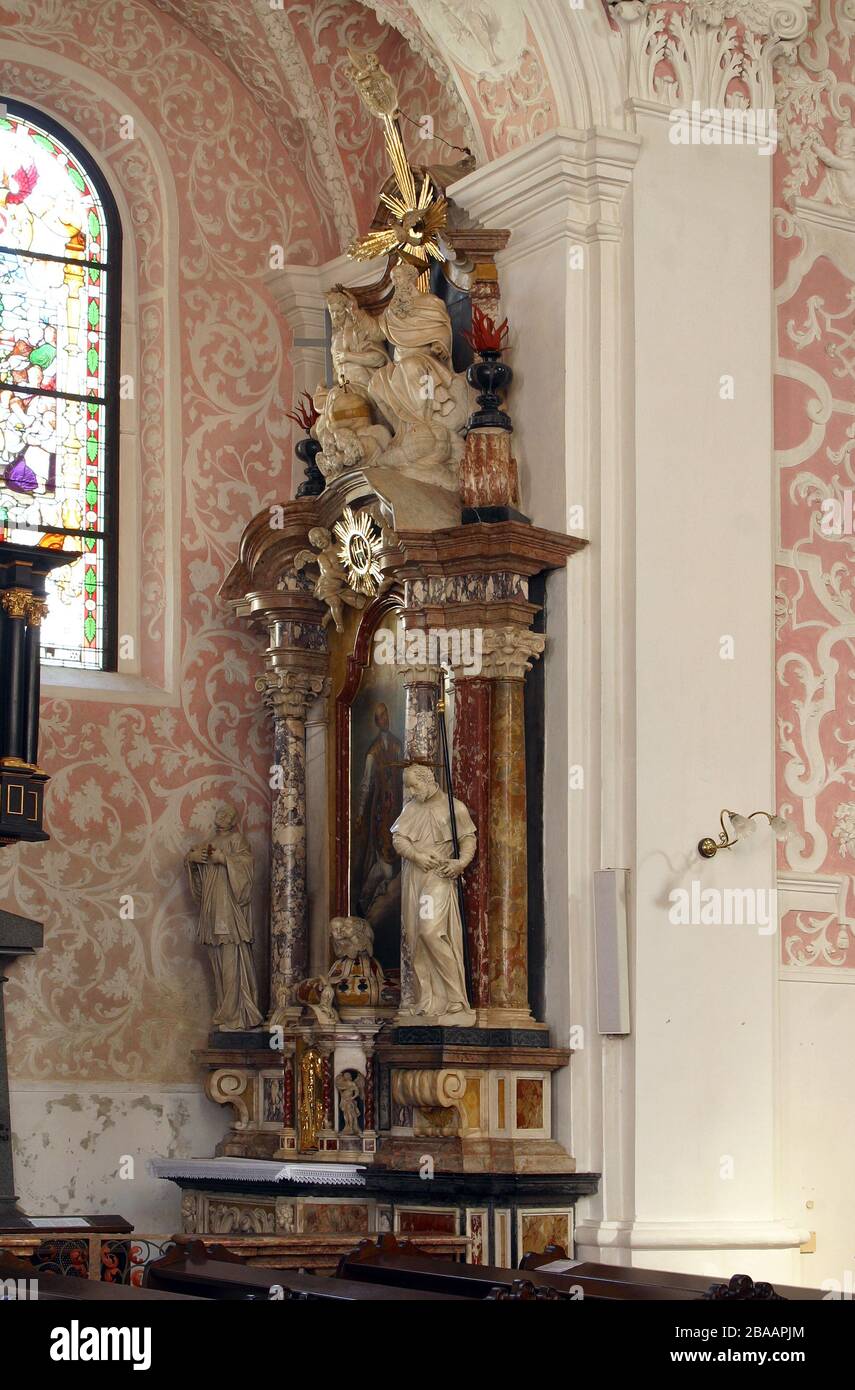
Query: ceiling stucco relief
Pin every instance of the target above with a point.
(485, 37)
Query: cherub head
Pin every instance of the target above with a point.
(350, 936)
(320, 537)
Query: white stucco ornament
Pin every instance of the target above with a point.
(486, 37)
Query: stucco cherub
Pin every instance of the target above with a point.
(331, 585)
(838, 187)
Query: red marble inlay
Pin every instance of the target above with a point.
(471, 775)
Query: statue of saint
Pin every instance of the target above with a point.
(419, 393)
(221, 882)
(431, 929)
(356, 347)
(351, 1090)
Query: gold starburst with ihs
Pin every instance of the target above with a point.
(360, 550)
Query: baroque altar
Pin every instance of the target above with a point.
(398, 1077)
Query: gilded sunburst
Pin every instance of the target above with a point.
(360, 550)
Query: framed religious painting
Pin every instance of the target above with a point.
(370, 727)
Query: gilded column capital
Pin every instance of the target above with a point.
(37, 609)
(16, 602)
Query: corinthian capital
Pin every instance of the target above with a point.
(291, 693)
(508, 652)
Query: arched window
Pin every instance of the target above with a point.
(60, 262)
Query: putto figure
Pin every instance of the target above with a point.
(434, 985)
(331, 585)
(221, 882)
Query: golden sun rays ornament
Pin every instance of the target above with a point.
(360, 550)
(419, 213)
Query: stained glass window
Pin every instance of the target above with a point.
(60, 255)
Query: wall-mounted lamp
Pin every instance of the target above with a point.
(741, 827)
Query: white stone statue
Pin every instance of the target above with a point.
(221, 872)
(406, 412)
(346, 430)
(324, 1010)
(431, 928)
(357, 347)
(419, 394)
(331, 585)
(351, 1089)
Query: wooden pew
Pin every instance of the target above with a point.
(389, 1262)
(214, 1272)
(66, 1288)
(740, 1286)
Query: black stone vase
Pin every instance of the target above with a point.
(490, 377)
(314, 482)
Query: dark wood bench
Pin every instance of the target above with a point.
(211, 1271)
(738, 1287)
(385, 1261)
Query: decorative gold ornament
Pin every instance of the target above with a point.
(36, 610)
(420, 214)
(311, 1098)
(16, 602)
(360, 550)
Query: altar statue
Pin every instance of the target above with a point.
(221, 882)
(356, 346)
(419, 393)
(431, 927)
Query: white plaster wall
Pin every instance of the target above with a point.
(704, 996)
(70, 1143)
(818, 1122)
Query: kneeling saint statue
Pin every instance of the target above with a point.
(433, 978)
(221, 882)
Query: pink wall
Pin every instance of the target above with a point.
(248, 135)
(134, 784)
(815, 439)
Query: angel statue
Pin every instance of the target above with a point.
(331, 585)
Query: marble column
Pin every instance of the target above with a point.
(490, 759)
(289, 693)
(471, 777)
(421, 733)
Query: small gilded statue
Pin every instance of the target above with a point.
(221, 872)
